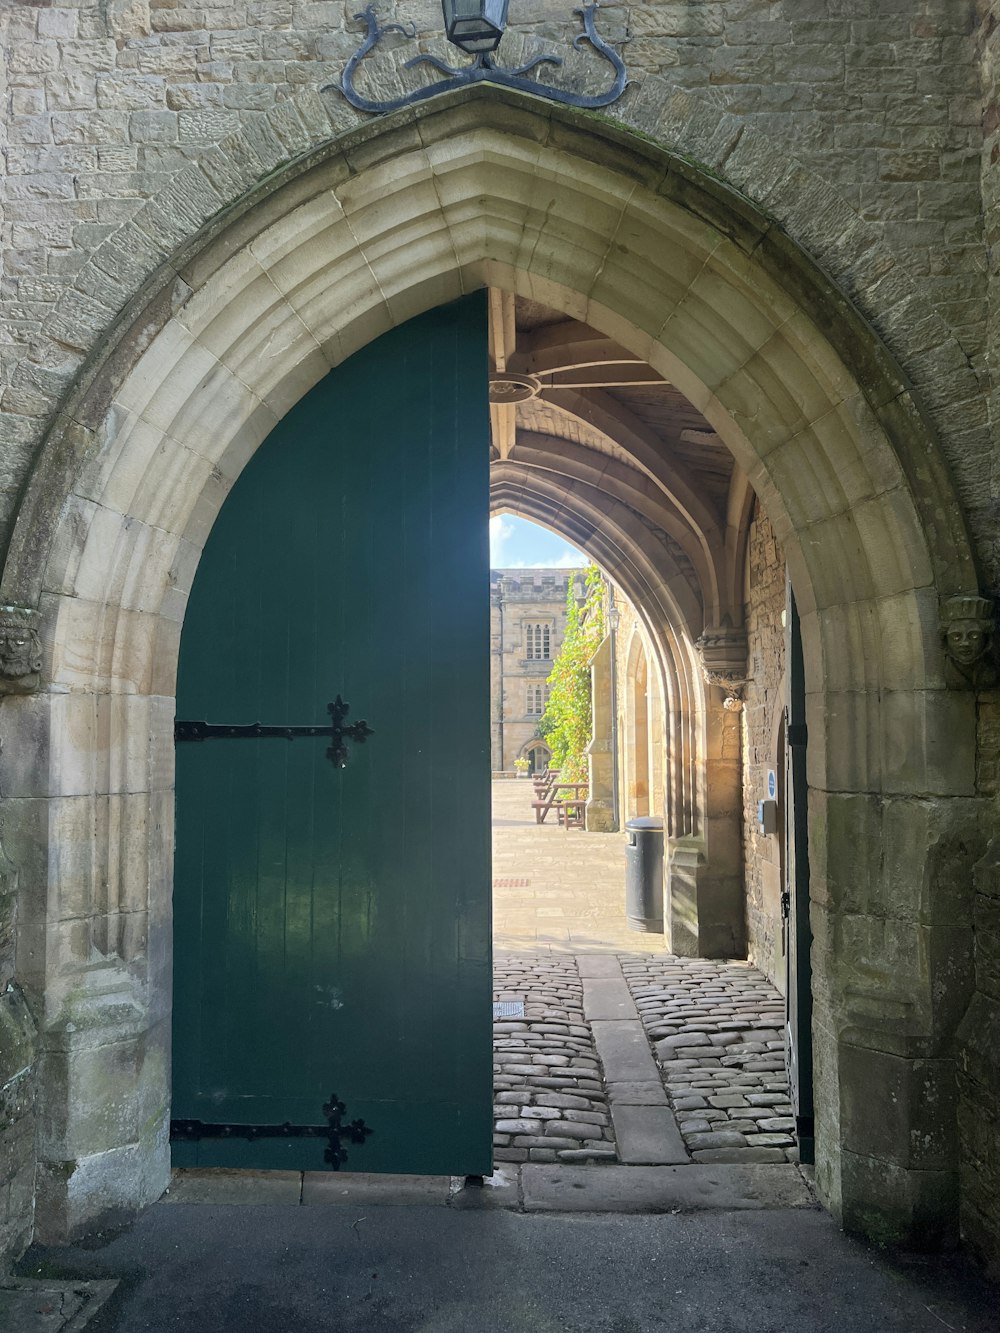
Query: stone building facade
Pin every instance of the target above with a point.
(786, 219)
(527, 627)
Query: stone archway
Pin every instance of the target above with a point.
(359, 236)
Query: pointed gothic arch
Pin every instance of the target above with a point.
(356, 236)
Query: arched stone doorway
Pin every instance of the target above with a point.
(354, 238)
(538, 755)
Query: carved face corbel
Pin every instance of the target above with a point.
(968, 625)
(20, 650)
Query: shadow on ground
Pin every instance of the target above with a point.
(420, 1269)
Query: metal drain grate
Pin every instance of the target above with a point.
(508, 1008)
(511, 883)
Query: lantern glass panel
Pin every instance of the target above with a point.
(475, 25)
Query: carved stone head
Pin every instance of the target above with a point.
(967, 628)
(20, 650)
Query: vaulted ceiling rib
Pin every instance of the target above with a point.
(581, 430)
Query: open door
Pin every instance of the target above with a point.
(332, 983)
(795, 895)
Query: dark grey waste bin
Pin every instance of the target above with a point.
(644, 874)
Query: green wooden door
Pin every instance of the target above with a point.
(332, 927)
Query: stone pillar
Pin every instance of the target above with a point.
(600, 813)
(87, 814)
(705, 914)
(18, 1052)
(890, 911)
(979, 1067)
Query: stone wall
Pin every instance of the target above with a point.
(763, 701)
(17, 1085)
(979, 1072)
(979, 1034)
(110, 99)
(625, 636)
(988, 45)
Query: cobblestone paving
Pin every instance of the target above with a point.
(716, 1029)
(550, 1102)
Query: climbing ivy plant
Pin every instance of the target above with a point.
(566, 722)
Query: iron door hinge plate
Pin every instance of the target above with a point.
(334, 1131)
(338, 733)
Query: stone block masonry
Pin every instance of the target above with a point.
(109, 103)
(18, 1055)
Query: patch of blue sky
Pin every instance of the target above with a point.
(516, 543)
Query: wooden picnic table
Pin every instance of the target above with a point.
(551, 798)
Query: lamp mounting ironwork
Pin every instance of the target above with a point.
(476, 26)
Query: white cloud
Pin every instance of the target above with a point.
(500, 533)
(568, 560)
(519, 544)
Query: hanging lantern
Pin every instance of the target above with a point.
(475, 25)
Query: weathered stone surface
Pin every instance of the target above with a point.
(661, 1189)
(647, 1134)
(750, 1153)
(865, 145)
(721, 1138)
(247, 1187)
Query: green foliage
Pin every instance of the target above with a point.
(566, 721)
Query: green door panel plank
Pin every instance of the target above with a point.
(332, 928)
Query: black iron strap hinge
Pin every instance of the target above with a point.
(338, 733)
(797, 734)
(334, 1131)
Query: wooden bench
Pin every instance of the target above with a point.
(571, 811)
(553, 800)
(545, 803)
(544, 792)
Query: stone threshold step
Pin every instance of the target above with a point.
(533, 1188)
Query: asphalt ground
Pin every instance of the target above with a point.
(427, 1269)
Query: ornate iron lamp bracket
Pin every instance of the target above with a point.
(482, 69)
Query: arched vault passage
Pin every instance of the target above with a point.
(411, 212)
(609, 531)
(564, 459)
